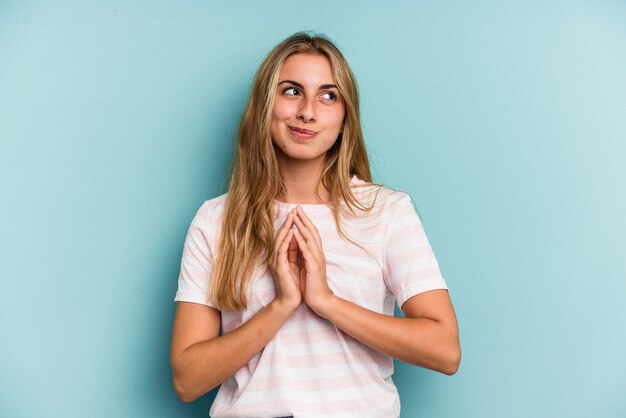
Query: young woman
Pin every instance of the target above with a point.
(301, 262)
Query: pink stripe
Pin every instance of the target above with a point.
(321, 360)
(310, 364)
(315, 384)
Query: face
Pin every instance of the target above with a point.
(308, 109)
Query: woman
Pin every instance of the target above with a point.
(300, 263)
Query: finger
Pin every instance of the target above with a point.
(306, 232)
(304, 247)
(279, 255)
(284, 229)
(283, 251)
(287, 224)
(310, 225)
(280, 239)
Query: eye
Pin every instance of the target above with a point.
(291, 91)
(329, 95)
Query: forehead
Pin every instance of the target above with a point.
(313, 69)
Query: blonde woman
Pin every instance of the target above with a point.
(301, 262)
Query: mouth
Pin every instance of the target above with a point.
(301, 133)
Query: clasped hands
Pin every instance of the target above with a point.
(298, 264)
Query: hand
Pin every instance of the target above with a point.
(312, 274)
(284, 267)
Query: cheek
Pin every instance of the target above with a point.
(336, 119)
(281, 111)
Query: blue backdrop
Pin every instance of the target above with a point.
(504, 120)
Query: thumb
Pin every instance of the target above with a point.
(302, 265)
(292, 251)
(302, 276)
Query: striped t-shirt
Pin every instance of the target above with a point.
(311, 368)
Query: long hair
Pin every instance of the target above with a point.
(247, 233)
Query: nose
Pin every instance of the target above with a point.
(306, 111)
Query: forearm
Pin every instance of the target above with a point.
(206, 364)
(423, 342)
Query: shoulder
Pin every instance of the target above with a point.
(209, 215)
(379, 196)
(212, 209)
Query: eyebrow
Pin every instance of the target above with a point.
(322, 87)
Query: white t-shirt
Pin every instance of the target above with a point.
(311, 368)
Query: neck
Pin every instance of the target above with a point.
(302, 181)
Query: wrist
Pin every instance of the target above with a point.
(284, 307)
(324, 307)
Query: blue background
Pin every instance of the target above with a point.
(504, 120)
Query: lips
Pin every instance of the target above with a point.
(301, 133)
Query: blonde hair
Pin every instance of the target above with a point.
(247, 231)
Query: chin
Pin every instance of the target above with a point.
(295, 155)
(302, 157)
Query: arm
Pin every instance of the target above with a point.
(199, 357)
(201, 360)
(426, 337)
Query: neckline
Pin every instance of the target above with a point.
(312, 207)
(307, 207)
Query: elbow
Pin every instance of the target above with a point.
(452, 361)
(450, 369)
(187, 392)
(181, 385)
(182, 392)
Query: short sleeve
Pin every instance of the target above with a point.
(196, 265)
(410, 264)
